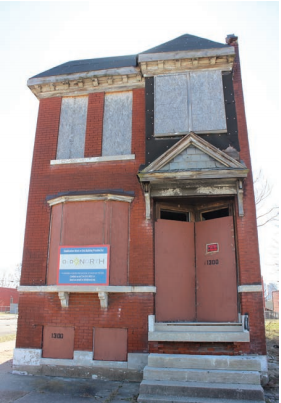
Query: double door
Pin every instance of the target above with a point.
(195, 270)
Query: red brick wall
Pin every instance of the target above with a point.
(246, 227)
(84, 313)
(93, 141)
(39, 309)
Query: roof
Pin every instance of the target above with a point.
(79, 66)
(184, 43)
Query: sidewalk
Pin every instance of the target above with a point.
(35, 389)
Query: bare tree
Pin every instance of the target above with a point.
(11, 278)
(266, 212)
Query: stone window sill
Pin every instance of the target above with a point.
(94, 159)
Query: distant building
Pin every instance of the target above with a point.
(141, 239)
(9, 298)
(275, 301)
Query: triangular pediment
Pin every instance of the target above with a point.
(192, 153)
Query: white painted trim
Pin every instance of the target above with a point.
(93, 197)
(250, 288)
(87, 288)
(27, 356)
(33, 357)
(94, 159)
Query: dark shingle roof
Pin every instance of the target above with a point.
(182, 43)
(185, 42)
(79, 66)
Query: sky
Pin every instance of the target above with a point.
(35, 36)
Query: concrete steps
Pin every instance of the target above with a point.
(241, 363)
(191, 391)
(200, 375)
(198, 379)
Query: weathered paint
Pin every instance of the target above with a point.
(117, 124)
(192, 158)
(71, 141)
(110, 344)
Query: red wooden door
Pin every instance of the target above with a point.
(216, 292)
(174, 271)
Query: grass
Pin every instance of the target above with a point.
(7, 337)
(272, 330)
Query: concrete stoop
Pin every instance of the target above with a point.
(201, 379)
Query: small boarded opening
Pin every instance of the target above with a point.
(110, 344)
(58, 342)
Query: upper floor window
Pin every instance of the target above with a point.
(187, 102)
(117, 124)
(71, 141)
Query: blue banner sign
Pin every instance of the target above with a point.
(84, 265)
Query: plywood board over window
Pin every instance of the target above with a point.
(91, 223)
(117, 124)
(187, 102)
(71, 141)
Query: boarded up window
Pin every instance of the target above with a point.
(117, 124)
(208, 112)
(171, 113)
(71, 141)
(110, 344)
(189, 102)
(91, 223)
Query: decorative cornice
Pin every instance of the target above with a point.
(85, 83)
(177, 62)
(87, 197)
(201, 144)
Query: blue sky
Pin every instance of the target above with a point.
(35, 36)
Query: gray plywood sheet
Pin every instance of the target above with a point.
(71, 141)
(171, 111)
(117, 124)
(208, 112)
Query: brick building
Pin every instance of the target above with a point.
(141, 238)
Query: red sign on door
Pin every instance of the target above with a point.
(212, 247)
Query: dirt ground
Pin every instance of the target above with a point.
(271, 390)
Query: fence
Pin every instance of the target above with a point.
(4, 308)
(271, 315)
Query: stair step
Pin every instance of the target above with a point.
(223, 336)
(202, 390)
(180, 399)
(200, 375)
(244, 363)
(167, 327)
